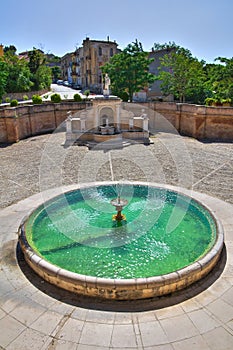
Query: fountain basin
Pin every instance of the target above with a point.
(115, 286)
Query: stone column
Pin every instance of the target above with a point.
(96, 113)
(118, 121)
(130, 123)
(145, 123)
(69, 125)
(83, 125)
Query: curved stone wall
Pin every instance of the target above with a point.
(200, 122)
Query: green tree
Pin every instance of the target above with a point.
(10, 50)
(184, 75)
(18, 79)
(3, 77)
(220, 79)
(129, 70)
(56, 73)
(36, 59)
(43, 77)
(165, 46)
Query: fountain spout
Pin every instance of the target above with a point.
(119, 204)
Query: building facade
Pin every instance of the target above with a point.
(154, 92)
(83, 66)
(67, 66)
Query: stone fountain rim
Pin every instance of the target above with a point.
(124, 289)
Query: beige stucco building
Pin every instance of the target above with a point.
(83, 67)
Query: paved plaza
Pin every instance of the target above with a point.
(36, 315)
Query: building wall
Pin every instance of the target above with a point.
(95, 54)
(155, 90)
(66, 66)
(85, 63)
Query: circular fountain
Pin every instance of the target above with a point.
(163, 242)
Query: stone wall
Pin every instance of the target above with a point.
(19, 122)
(200, 122)
(20, 95)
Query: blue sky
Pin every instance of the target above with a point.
(205, 27)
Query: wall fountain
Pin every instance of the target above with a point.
(106, 122)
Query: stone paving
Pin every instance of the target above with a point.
(36, 315)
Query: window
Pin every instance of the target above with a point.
(100, 51)
(111, 52)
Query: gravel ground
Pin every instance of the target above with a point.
(43, 162)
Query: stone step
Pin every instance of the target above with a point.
(111, 144)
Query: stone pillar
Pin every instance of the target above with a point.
(69, 125)
(130, 123)
(145, 123)
(83, 125)
(118, 121)
(96, 113)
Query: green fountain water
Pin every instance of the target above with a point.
(161, 232)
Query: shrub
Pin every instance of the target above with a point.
(209, 101)
(14, 103)
(7, 99)
(25, 97)
(56, 98)
(86, 93)
(77, 98)
(36, 99)
(226, 101)
(217, 101)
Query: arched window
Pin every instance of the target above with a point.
(100, 51)
(111, 52)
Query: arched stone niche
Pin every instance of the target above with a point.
(106, 116)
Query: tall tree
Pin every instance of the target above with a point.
(11, 50)
(129, 70)
(220, 79)
(56, 73)
(36, 59)
(43, 77)
(184, 75)
(3, 77)
(41, 74)
(19, 75)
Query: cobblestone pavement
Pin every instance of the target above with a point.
(43, 162)
(36, 315)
